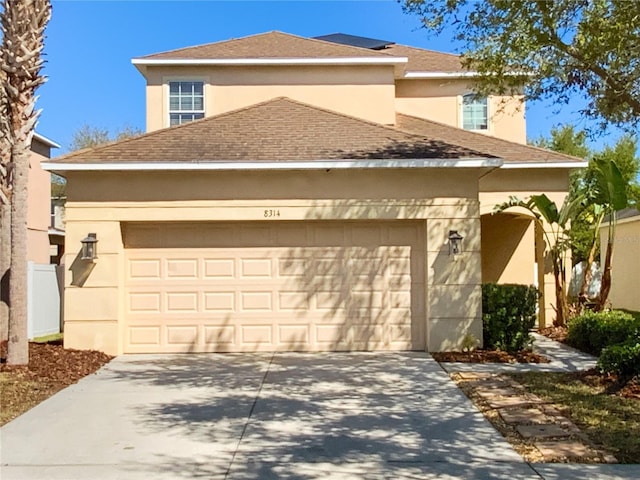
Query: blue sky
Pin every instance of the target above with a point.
(90, 44)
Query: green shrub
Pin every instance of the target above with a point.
(580, 330)
(591, 332)
(622, 359)
(508, 313)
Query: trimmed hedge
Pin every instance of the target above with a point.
(508, 314)
(622, 359)
(591, 332)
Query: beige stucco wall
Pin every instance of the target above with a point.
(39, 207)
(440, 199)
(625, 264)
(368, 92)
(441, 101)
(362, 91)
(495, 189)
(508, 249)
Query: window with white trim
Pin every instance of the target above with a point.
(475, 112)
(186, 102)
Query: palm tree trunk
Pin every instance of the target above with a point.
(583, 296)
(561, 297)
(5, 263)
(18, 346)
(605, 286)
(5, 207)
(586, 280)
(23, 23)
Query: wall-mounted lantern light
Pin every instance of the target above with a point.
(455, 242)
(89, 247)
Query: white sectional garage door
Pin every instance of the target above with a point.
(284, 286)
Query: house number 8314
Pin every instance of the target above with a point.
(270, 213)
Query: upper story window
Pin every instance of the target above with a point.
(474, 112)
(186, 102)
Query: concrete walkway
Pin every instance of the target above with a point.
(563, 359)
(282, 416)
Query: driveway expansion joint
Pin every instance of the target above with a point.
(246, 423)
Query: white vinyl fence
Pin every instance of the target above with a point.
(44, 308)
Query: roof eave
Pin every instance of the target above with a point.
(438, 75)
(47, 141)
(409, 75)
(165, 62)
(551, 164)
(282, 165)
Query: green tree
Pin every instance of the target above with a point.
(595, 185)
(625, 154)
(567, 139)
(584, 233)
(552, 49)
(58, 186)
(557, 221)
(609, 194)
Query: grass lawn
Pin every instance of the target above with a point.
(53, 338)
(611, 421)
(636, 315)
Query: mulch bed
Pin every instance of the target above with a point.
(51, 368)
(559, 334)
(610, 383)
(490, 356)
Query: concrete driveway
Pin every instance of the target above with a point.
(302, 416)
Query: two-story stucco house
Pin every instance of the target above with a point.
(300, 194)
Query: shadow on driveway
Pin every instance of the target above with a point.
(285, 416)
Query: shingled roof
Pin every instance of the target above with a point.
(279, 45)
(268, 45)
(422, 60)
(278, 130)
(510, 152)
(281, 130)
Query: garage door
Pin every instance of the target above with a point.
(312, 286)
